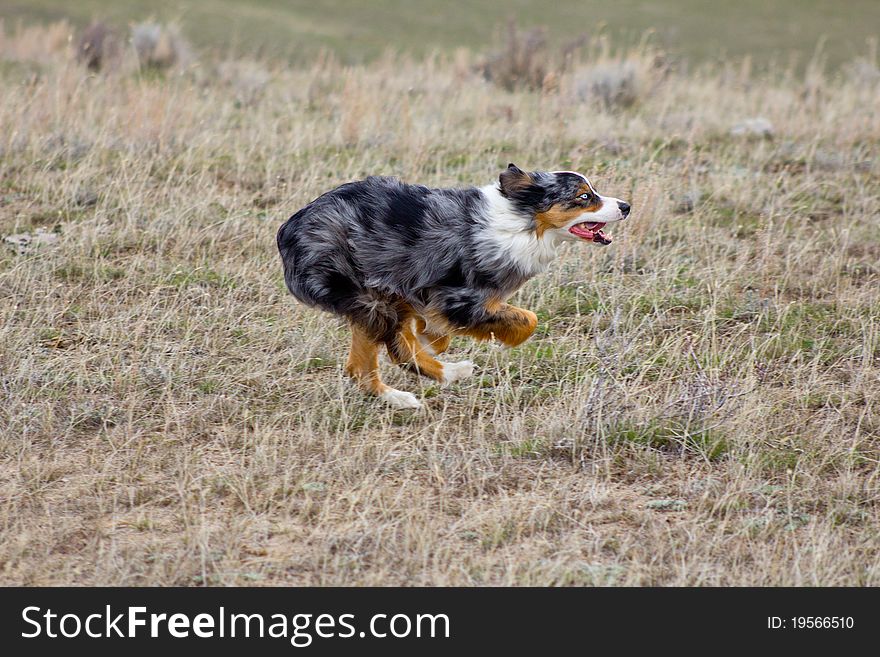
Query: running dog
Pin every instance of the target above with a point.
(409, 266)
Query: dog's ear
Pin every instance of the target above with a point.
(513, 179)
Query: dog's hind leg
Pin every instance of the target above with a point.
(363, 367)
(408, 348)
(434, 343)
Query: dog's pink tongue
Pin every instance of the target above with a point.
(581, 230)
(592, 232)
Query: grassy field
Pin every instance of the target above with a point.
(700, 404)
(768, 30)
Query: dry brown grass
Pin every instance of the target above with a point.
(700, 404)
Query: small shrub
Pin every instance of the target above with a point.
(246, 79)
(864, 70)
(618, 82)
(611, 84)
(98, 46)
(159, 46)
(525, 61)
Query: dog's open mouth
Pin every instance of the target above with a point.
(590, 231)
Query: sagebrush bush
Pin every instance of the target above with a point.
(618, 80)
(612, 84)
(98, 46)
(247, 79)
(160, 46)
(524, 59)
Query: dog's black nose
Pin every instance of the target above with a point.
(624, 207)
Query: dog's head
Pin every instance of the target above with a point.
(562, 203)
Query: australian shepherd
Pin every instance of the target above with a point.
(409, 266)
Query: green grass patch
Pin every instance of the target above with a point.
(672, 436)
(316, 363)
(200, 276)
(530, 448)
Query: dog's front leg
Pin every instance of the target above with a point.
(508, 324)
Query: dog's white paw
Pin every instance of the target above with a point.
(453, 372)
(400, 399)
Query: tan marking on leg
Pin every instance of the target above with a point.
(509, 324)
(407, 350)
(363, 362)
(438, 343)
(434, 342)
